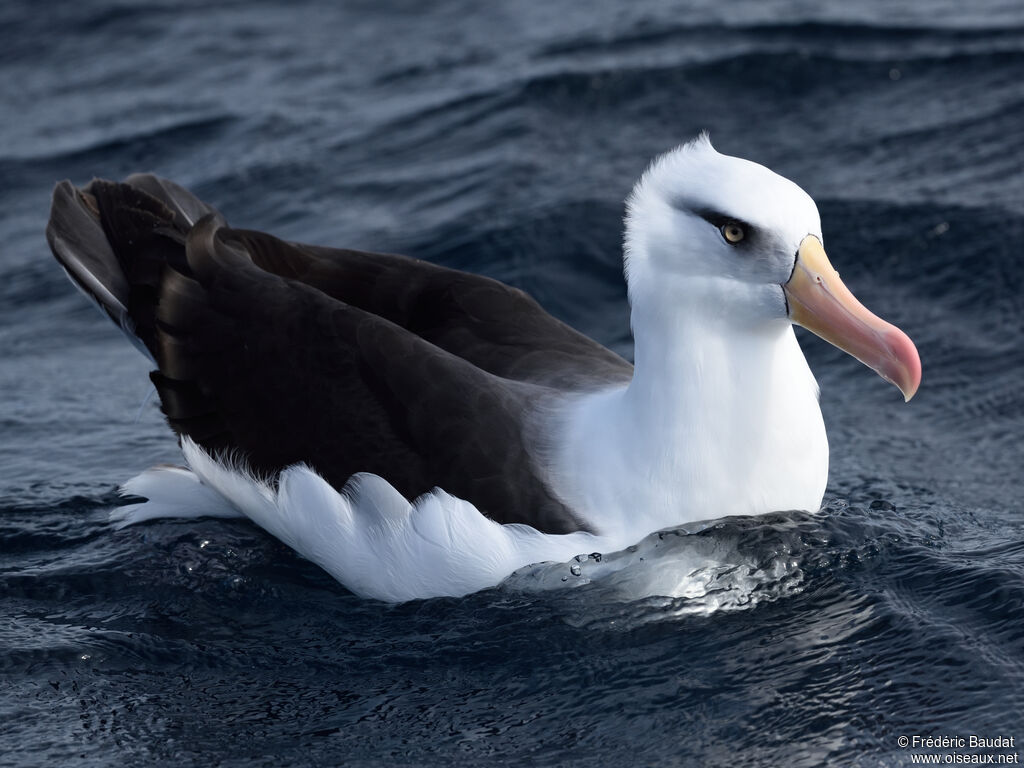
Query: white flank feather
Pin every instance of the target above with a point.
(171, 492)
(368, 537)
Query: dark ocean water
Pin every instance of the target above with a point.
(502, 138)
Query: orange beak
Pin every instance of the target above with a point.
(820, 302)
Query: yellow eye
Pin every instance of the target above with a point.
(733, 232)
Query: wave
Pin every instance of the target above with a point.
(800, 34)
(732, 564)
(141, 141)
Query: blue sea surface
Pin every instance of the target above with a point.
(502, 138)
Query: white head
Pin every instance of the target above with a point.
(683, 215)
(729, 243)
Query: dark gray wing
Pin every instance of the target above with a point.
(490, 324)
(344, 360)
(284, 373)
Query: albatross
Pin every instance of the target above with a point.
(420, 431)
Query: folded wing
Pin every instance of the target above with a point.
(343, 360)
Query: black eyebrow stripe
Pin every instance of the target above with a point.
(718, 219)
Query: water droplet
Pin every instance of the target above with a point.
(575, 570)
(204, 543)
(596, 556)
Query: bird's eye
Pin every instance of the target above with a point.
(733, 232)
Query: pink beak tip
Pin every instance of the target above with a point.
(906, 363)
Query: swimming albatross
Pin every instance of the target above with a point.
(419, 431)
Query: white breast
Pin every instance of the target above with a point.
(738, 431)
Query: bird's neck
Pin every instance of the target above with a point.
(720, 418)
(692, 371)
